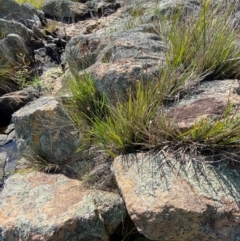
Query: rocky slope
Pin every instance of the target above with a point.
(166, 195)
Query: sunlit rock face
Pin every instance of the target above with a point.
(171, 199)
(38, 206)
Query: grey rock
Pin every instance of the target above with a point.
(42, 52)
(44, 128)
(103, 7)
(8, 159)
(11, 10)
(9, 129)
(38, 206)
(14, 49)
(15, 45)
(14, 27)
(117, 60)
(11, 102)
(208, 99)
(11, 136)
(48, 55)
(65, 10)
(7, 135)
(36, 12)
(5, 138)
(82, 51)
(12, 156)
(171, 199)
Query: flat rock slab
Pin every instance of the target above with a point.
(38, 206)
(168, 200)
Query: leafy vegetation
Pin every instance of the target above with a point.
(39, 161)
(200, 46)
(136, 17)
(34, 81)
(209, 133)
(196, 40)
(16, 75)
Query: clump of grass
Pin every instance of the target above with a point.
(222, 132)
(137, 11)
(115, 128)
(201, 45)
(38, 160)
(41, 164)
(209, 134)
(173, 81)
(14, 75)
(36, 3)
(140, 124)
(124, 128)
(89, 101)
(202, 41)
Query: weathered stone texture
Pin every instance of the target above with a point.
(11, 102)
(65, 9)
(44, 128)
(118, 60)
(25, 14)
(38, 206)
(170, 200)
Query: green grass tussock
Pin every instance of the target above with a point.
(206, 42)
(125, 128)
(201, 45)
(141, 123)
(222, 132)
(209, 133)
(90, 103)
